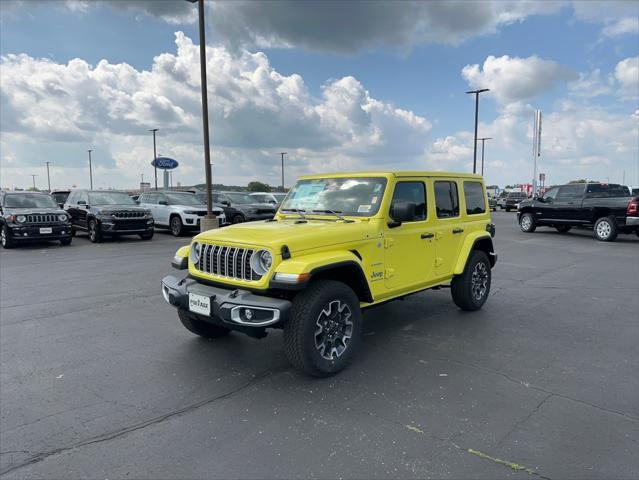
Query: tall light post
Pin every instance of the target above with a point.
(476, 92)
(33, 177)
(282, 154)
(48, 176)
(155, 155)
(209, 221)
(90, 170)
(483, 139)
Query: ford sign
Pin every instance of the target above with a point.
(164, 163)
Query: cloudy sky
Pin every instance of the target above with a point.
(338, 85)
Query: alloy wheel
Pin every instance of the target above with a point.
(334, 330)
(525, 222)
(479, 281)
(175, 226)
(3, 236)
(604, 229)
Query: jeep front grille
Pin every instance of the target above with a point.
(128, 214)
(229, 262)
(42, 218)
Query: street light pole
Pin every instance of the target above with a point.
(209, 221)
(48, 176)
(33, 177)
(155, 155)
(90, 170)
(476, 92)
(483, 139)
(282, 154)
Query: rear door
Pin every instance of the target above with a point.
(449, 231)
(409, 248)
(161, 212)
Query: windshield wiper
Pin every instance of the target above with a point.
(299, 211)
(337, 213)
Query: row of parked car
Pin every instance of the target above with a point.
(30, 216)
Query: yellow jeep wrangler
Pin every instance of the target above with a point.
(338, 245)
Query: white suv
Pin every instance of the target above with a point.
(178, 211)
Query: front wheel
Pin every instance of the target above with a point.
(65, 242)
(606, 229)
(470, 289)
(239, 218)
(203, 329)
(146, 236)
(527, 223)
(5, 236)
(176, 226)
(95, 235)
(325, 328)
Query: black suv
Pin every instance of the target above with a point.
(103, 213)
(30, 216)
(513, 199)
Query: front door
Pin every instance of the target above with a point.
(409, 248)
(448, 228)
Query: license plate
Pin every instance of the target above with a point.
(46, 230)
(199, 304)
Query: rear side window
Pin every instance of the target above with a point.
(446, 199)
(598, 190)
(411, 192)
(474, 196)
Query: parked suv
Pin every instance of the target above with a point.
(107, 213)
(272, 198)
(513, 199)
(178, 211)
(248, 208)
(30, 216)
(229, 212)
(339, 244)
(608, 209)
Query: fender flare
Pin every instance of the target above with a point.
(476, 240)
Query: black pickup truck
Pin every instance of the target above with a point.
(608, 209)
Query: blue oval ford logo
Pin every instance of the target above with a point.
(165, 163)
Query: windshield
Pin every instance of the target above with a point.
(359, 197)
(110, 198)
(183, 199)
(29, 200)
(240, 198)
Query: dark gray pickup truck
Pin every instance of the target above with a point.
(607, 208)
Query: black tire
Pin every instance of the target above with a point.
(65, 242)
(563, 228)
(606, 229)
(470, 290)
(7, 239)
(527, 222)
(95, 235)
(238, 218)
(176, 226)
(73, 232)
(201, 328)
(334, 308)
(146, 236)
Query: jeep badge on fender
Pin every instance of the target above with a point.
(338, 245)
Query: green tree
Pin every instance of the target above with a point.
(258, 187)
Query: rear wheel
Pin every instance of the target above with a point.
(527, 223)
(563, 228)
(325, 328)
(6, 238)
(606, 229)
(470, 289)
(95, 235)
(176, 226)
(203, 329)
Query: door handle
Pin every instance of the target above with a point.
(458, 230)
(427, 235)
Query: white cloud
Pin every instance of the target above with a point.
(627, 73)
(591, 84)
(513, 79)
(624, 26)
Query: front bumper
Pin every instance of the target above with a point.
(193, 221)
(228, 307)
(21, 232)
(126, 227)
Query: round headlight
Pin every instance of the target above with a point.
(261, 262)
(62, 217)
(196, 248)
(21, 218)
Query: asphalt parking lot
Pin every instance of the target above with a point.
(99, 380)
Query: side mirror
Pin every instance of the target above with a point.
(163, 202)
(402, 212)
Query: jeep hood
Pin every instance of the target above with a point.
(298, 236)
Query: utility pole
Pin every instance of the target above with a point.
(209, 221)
(33, 177)
(483, 139)
(49, 177)
(536, 148)
(476, 92)
(154, 157)
(90, 170)
(282, 154)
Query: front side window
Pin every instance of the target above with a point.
(359, 197)
(413, 192)
(110, 198)
(474, 196)
(446, 199)
(29, 200)
(551, 194)
(568, 192)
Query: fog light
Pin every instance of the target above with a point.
(25, 234)
(248, 313)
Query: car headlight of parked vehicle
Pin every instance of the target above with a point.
(196, 249)
(21, 219)
(261, 262)
(62, 217)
